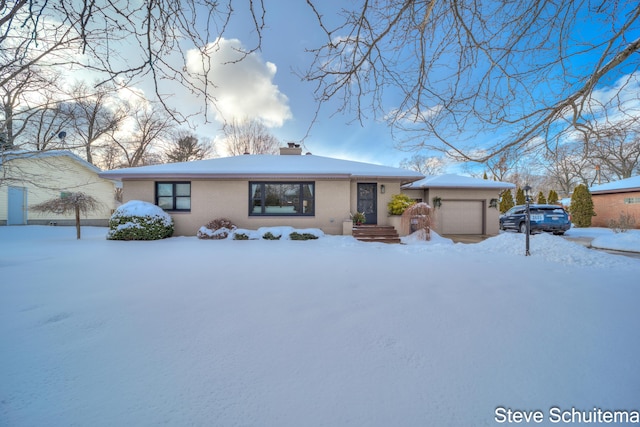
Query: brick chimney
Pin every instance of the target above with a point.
(292, 149)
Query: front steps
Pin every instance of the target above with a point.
(376, 233)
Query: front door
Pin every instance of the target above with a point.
(368, 201)
(17, 212)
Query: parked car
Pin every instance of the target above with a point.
(551, 218)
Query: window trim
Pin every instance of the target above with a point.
(174, 195)
(301, 200)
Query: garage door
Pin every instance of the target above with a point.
(462, 217)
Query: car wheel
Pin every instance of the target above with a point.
(522, 228)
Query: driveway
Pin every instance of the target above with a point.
(584, 241)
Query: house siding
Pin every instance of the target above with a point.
(490, 216)
(211, 199)
(610, 206)
(45, 178)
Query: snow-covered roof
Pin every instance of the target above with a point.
(22, 154)
(458, 181)
(260, 166)
(624, 185)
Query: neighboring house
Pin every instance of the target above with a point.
(29, 178)
(253, 191)
(615, 198)
(462, 205)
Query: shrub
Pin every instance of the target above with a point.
(541, 199)
(270, 236)
(521, 199)
(623, 223)
(581, 206)
(217, 229)
(137, 220)
(302, 236)
(553, 198)
(240, 236)
(506, 201)
(399, 203)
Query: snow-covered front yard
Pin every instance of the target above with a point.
(329, 332)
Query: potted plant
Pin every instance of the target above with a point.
(358, 218)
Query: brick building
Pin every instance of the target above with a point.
(615, 198)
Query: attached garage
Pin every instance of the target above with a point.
(462, 204)
(462, 217)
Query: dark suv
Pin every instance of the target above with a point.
(543, 218)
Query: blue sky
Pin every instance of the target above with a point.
(292, 28)
(267, 86)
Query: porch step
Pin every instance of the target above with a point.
(376, 233)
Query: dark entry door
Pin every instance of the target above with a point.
(368, 201)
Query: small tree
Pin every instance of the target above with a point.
(541, 199)
(418, 218)
(506, 201)
(553, 199)
(520, 197)
(71, 202)
(582, 206)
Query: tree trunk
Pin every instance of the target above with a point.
(78, 222)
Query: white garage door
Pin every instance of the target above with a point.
(462, 217)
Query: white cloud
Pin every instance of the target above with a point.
(243, 85)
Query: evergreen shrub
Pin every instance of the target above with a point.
(506, 201)
(270, 236)
(399, 203)
(581, 207)
(137, 220)
(302, 236)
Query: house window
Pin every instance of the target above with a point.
(174, 196)
(631, 200)
(282, 198)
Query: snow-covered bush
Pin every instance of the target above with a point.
(270, 236)
(302, 236)
(216, 229)
(138, 220)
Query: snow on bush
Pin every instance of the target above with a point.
(276, 233)
(138, 220)
(216, 229)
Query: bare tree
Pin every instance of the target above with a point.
(94, 115)
(249, 137)
(614, 149)
(152, 127)
(120, 38)
(77, 202)
(512, 71)
(186, 147)
(26, 101)
(424, 164)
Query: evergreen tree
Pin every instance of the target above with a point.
(581, 206)
(541, 199)
(506, 201)
(553, 199)
(520, 198)
(485, 175)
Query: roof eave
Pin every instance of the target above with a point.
(617, 190)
